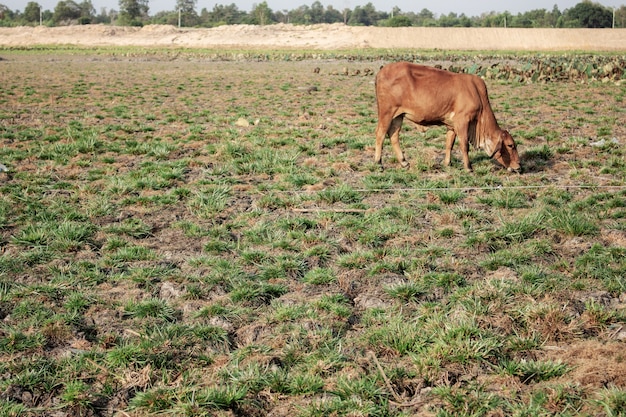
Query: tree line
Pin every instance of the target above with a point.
(585, 14)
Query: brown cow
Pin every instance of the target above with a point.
(428, 96)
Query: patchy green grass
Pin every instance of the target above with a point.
(158, 256)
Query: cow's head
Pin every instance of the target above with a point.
(505, 152)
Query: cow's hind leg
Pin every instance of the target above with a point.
(450, 137)
(381, 131)
(394, 135)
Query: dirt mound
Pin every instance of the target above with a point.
(323, 36)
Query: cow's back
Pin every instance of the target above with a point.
(408, 73)
(404, 75)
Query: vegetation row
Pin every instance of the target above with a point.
(505, 66)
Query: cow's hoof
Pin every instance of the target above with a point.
(405, 164)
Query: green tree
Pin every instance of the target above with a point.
(31, 12)
(261, 14)
(6, 13)
(224, 15)
(188, 14)
(453, 20)
(103, 16)
(87, 12)
(66, 11)
(346, 14)
(133, 12)
(398, 21)
(299, 16)
(531, 19)
(620, 17)
(317, 12)
(425, 18)
(553, 17)
(364, 16)
(589, 15)
(164, 17)
(332, 15)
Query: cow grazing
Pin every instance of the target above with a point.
(428, 96)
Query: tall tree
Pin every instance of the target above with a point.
(425, 18)
(300, 16)
(187, 10)
(317, 12)
(364, 16)
(332, 15)
(133, 11)
(31, 12)
(225, 15)
(553, 17)
(589, 15)
(6, 13)
(66, 12)
(87, 11)
(620, 17)
(261, 14)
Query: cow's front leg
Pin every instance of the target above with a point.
(463, 134)
(394, 135)
(464, 143)
(450, 137)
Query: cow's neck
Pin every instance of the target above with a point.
(486, 129)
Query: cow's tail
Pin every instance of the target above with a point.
(473, 133)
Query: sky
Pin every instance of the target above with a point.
(468, 7)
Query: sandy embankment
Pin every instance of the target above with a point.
(323, 37)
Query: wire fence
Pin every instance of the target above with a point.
(490, 188)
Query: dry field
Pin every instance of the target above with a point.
(186, 236)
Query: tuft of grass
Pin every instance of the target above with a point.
(156, 400)
(155, 307)
(603, 263)
(456, 400)
(255, 293)
(505, 199)
(76, 396)
(207, 203)
(320, 276)
(399, 336)
(451, 196)
(132, 227)
(14, 341)
(573, 223)
(534, 371)
(342, 194)
(612, 401)
(219, 398)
